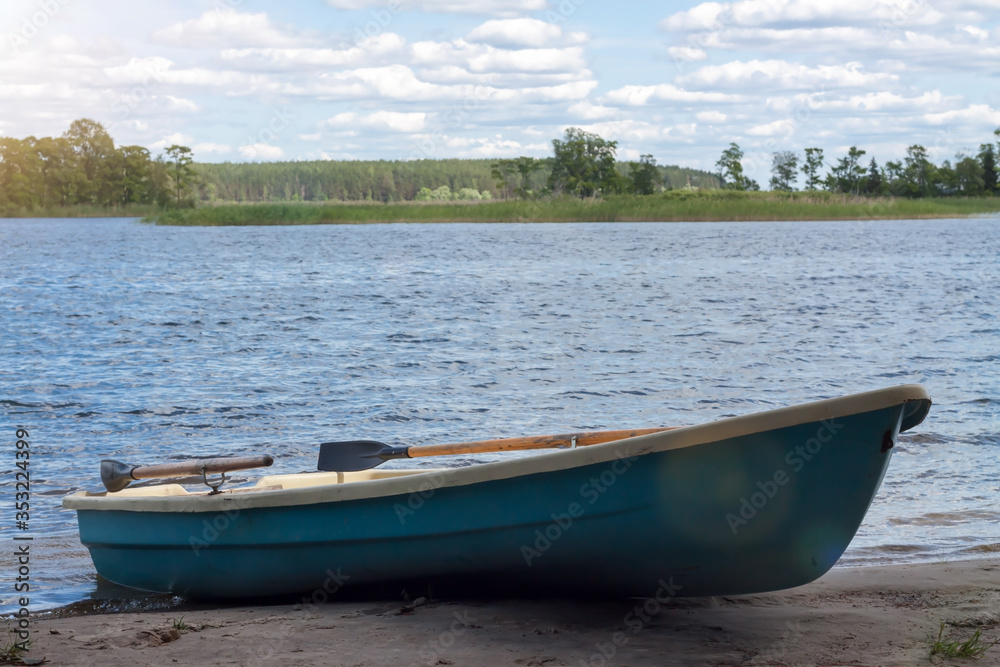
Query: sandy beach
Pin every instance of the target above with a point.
(867, 616)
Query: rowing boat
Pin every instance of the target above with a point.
(746, 504)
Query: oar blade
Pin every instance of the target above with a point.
(115, 475)
(355, 455)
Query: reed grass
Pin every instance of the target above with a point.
(12, 651)
(973, 647)
(81, 211)
(671, 206)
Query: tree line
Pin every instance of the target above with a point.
(585, 164)
(84, 167)
(572, 171)
(355, 180)
(913, 176)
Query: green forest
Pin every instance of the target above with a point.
(84, 169)
(914, 176)
(390, 181)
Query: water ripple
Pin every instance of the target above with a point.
(149, 344)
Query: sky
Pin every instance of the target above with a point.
(246, 80)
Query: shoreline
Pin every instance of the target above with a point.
(885, 615)
(672, 206)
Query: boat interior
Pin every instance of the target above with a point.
(269, 483)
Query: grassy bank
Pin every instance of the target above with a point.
(82, 211)
(672, 206)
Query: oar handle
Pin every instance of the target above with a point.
(116, 475)
(534, 442)
(209, 466)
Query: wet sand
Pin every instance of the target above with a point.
(866, 616)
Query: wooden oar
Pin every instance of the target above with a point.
(354, 455)
(116, 476)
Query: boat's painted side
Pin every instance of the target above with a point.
(743, 505)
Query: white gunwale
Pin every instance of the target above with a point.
(313, 488)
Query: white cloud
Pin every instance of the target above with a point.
(181, 104)
(642, 133)
(385, 120)
(977, 114)
(381, 67)
(883, 101)
(687, 53)
(627, 130)
(489, 7)
(711, 116)
(64, 43)
(952, 35)
(484, 58)
(576, 90)
(714, 16)
(511, 80)
(778, 128)
(261, 152)
(141, 76)
(518, 33)
(149, 71)
(757, 74)
(502, 80)
(528, 60)
(397, 121)
(588, 111)
(226, 27)
(398, 82)
(977, 33)
(479, 147)
(391, 82)
(210, 147)
(380, 48)
(171, 139)
(665, 92)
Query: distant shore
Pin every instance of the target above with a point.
(672, 206)
(887, 615)
(81, 211)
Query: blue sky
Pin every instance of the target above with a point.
(244, 80)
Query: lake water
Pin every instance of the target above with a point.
(145, 344)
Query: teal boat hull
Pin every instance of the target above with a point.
(755, 511)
